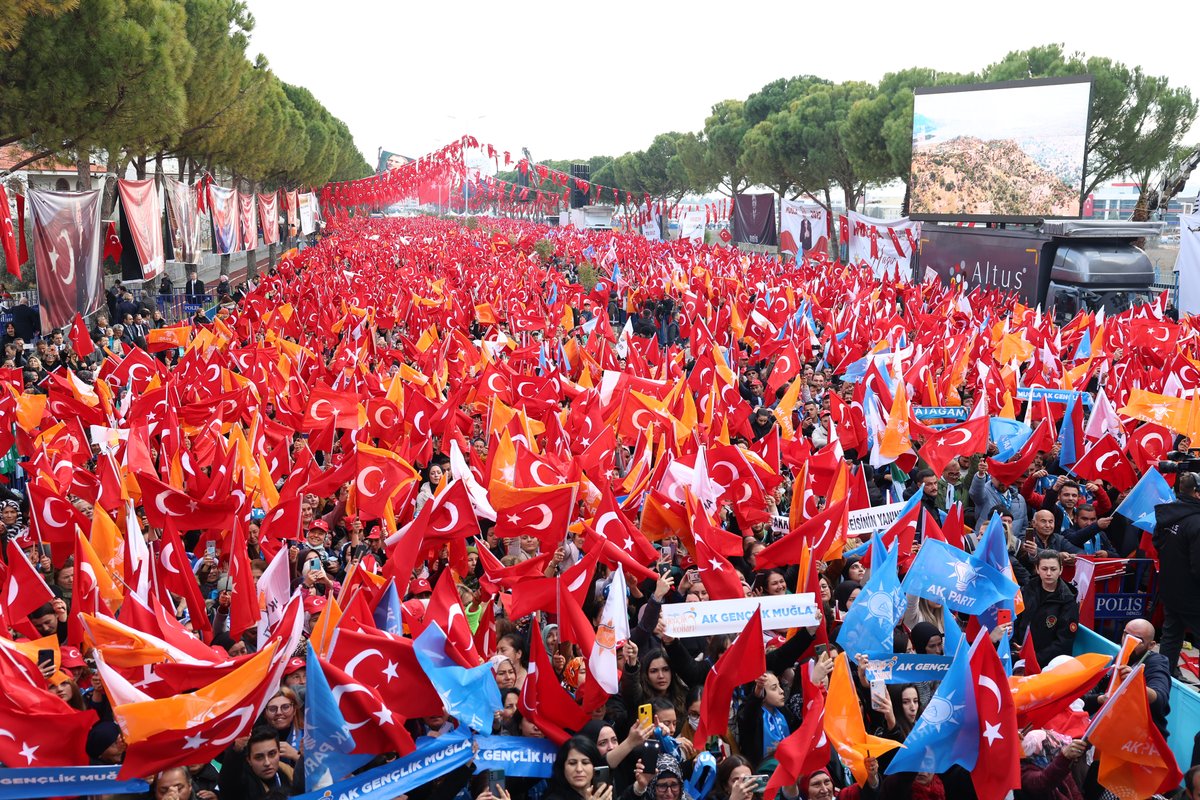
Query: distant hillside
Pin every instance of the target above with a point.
(970, 176)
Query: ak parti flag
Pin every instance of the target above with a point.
(895, 440)
(1040, 698)
(1135, 760)
(744, 661)
(844, 723)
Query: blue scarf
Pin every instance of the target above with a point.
(775, 728)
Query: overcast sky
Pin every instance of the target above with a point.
(572, 80)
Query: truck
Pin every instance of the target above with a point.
(1067, 265)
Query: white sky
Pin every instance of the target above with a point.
(572, 80)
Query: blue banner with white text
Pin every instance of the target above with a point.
(432, 759)
(518, 756)
(23, 784)
(906, 667)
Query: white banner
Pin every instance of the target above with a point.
(1187, 265)
(691, 226)
(884, 244)
(685, 620)
(804, 227)
(308, 213)
(651, 232)
(866, 521)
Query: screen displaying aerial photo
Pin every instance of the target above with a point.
(1015, 151)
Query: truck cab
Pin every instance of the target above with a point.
(1067, 265)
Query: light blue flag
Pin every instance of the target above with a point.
(328, 738)
(870, 621)
(953, 635)
(1084, 350)
(947, 575)
(387, 611)
(947, 732)
(1004, 650)
(469, 695)
(993, 551)
(1138, 506)
(1009, 435)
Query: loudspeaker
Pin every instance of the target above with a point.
(581, 172)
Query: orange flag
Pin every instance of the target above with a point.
(895, 441)
(844, 723)
(1134, 758)
(1039, 698)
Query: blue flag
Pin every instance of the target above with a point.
(387, 611)
(1138, 506)
(869, 622)
(1009, 435)
(953, 636)
(1004, 650)
(1070, 450)
(993, 551)
(328, 738)
(947, 575)
(1084, 350)
(947, 732)
(470, 695)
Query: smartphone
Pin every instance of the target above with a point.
(1029, 534)
(312, 565)
(645, 714)
(1003, 616)
(359, 551)
(879, 696)
(820, 649)
(211, 548)
(602, 776)
(495, 782)
(45, 656)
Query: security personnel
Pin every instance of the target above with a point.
(1051, 612)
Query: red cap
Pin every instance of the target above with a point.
(314, 603)
(419, 586)
(320, 524)
(374, 534)
(295, 665)
(70, 658)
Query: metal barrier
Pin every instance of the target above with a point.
(181, 307)
(1129, 595)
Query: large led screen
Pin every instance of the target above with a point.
(1011, 151)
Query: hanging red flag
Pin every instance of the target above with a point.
(112, 242)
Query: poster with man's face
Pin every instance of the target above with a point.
(389, 160)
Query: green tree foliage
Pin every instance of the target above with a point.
(14, 14)
(713, 158)
(773, 151)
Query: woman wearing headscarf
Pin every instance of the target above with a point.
(1047, 768)
(927, 640)
(667, 783)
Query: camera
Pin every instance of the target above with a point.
(1178, 461)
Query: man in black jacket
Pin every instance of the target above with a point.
(1157, 675)
(1177, 539)
(1051, 612)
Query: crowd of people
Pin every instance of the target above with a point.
(499, 371)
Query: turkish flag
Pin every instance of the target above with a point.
(163, 503)
(968, 438)
(819, 533)
(8, 242)
(389, 664)
(719, 577)
(543, 700)
(998, 769)
(744, 661)
(611, 523)
(541, 594)
(112, 243)
(1105, 459)
(381, 474)
(42, 730)
(376, 728)
(1148, 443)
(497, 577)
(544, 512)
(81, 340)
(24, 587)
(243, 601)
(176, 574)
(446, 610)
(807, 749)
(326, 404)
(452, 515)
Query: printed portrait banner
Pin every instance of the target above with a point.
(1187, 264)
(66, 244)
(19, 784)
(390, 160)
(907, 667)
(225, 207)
(308, 213)
(183, 224)
(268, 217)
(691, 226)
(292, 200)
(885, 245)
(803, 227)
(865, 521)
(433, 758)
(940, 412)
(518, 756)
(247, 221)
(686, 620)
(142, 254)
(754, 219)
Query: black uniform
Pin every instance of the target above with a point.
(1177, 539)
(1052, 618)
